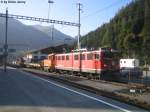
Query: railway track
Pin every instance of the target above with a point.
(77, 76)
(103, 88)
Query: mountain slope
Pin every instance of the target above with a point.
(22, 37)
(128, 31)
(54, 34)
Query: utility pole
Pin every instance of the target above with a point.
(6, 45)
(79, 11)
(52, 27)
(79, 27)
(52, 32)
(50, 2)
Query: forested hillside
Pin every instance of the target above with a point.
(128, 31)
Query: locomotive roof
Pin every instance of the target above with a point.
(51, 54)
(86, 52)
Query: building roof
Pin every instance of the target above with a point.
(55, 49)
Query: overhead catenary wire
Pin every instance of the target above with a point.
(102, 9)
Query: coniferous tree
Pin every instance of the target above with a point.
(128, 31)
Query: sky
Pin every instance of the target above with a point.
(94, 12)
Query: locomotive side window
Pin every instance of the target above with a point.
(56, 57)
(83, 57)
(67, 57)
(89, 56)
(63, 57)
(76, 57)
(97, 56)
(59, 58)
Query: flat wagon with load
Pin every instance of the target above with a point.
(129, 68)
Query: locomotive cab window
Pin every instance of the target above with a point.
(97, 56)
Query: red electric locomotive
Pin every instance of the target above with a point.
(94, 62)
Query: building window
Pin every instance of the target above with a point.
(1, 49)
(35, 57)
(11, 50)
(89, 56)
(76, 57)
(43, 57)
(67, 57)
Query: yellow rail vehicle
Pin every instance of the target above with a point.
(48, 64)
